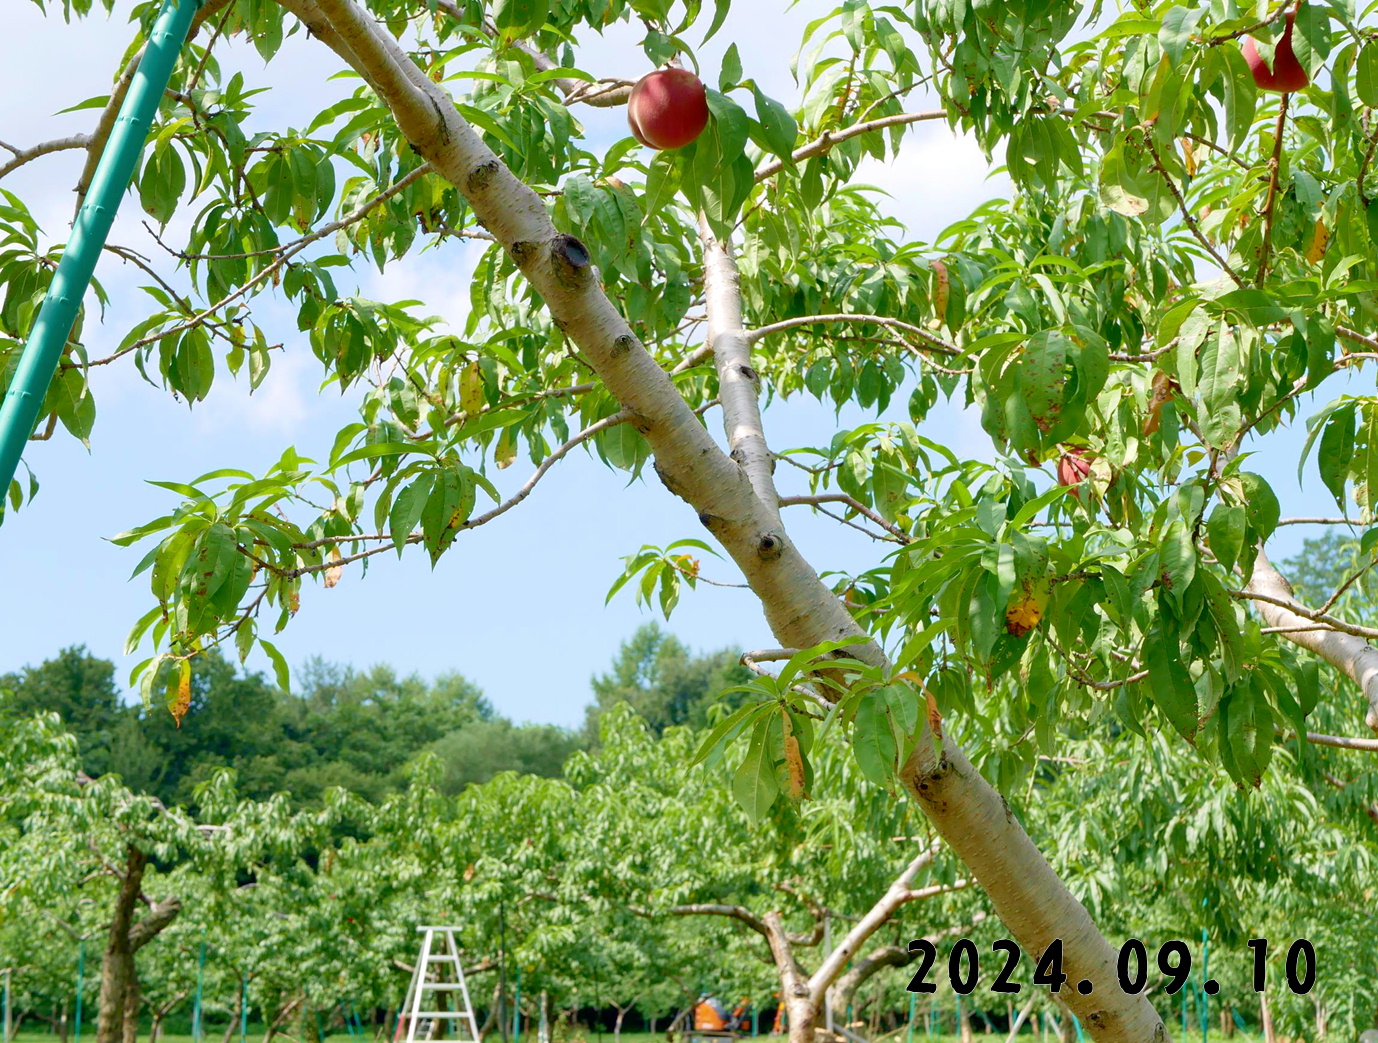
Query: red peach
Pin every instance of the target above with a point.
(1073, 466)
(668, 108)
(1286, 75)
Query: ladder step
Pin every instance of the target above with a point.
(440, 1014)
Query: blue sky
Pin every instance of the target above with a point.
(517, 606)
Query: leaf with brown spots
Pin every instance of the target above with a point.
(179, 696)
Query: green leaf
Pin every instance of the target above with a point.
(1225, 530)
(778, 128)
(1178, 25)
(726, 729)
(280, 671)
(1169, 683)
(731, 73)
(755, 786)
(873, 741)
(407, 508)
(1366, 74)
(1337, 451)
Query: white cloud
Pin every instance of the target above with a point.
(938, 178)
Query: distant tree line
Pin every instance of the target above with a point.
(343, 726)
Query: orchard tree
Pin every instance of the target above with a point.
(840, 868)
(1184, 258)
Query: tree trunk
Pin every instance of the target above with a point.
(1227, 1021)
(234, 1017)
(285, 1012)
(133, 1000)
(60, 1017)
(803, 1019)
(617, 1025)
(117, 968)
(1267, 1014)
(964, 1023)
(1019, 1023)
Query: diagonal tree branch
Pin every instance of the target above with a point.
(28, 155)
(106, 124)
(829, 138)
(1351, 654)
(895, 896)
(931, 342)
(802, 612)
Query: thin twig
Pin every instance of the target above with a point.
(1274, 165)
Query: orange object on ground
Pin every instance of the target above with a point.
(707, 1018)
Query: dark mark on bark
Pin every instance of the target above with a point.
(522, 250)
(482, 176)
(710, 521)
(622, 345)
(572, 263)
(747, 372)
(769, 546)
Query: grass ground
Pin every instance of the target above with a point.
(214, 1035)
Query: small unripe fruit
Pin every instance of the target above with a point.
(1073, 466)
(668, 108)
(1286, 75)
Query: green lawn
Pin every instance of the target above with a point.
(255, 1033)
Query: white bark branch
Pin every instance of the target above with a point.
(1349, 653)
(739, 385)
(895, 896)
(28, 155)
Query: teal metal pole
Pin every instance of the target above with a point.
(517, 1008)
(1204, 996)
(81, 983)
(913, 1009)
(43, 350)
(244, 1009)
(7, 1033)
(196, 1029)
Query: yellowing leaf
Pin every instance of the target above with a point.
(506, 450)
(333, 574)
(180, 701)
(471, 389)
(1319, 240)
(1189, 157)
(1023, 616)
(941, 287)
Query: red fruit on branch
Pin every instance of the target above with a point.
(1073, 466)
(1286, 75)
(668, 108)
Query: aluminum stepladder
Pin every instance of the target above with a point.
(439, 950)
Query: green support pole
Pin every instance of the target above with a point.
(47, 338)
(959, 1017)
(913, 1010)
(517, 1008)
(1204, 998)
(243, 1009)
(81, 984)
(7, 1032)
(197, 1031)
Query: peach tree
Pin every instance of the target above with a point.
(1183, 261)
